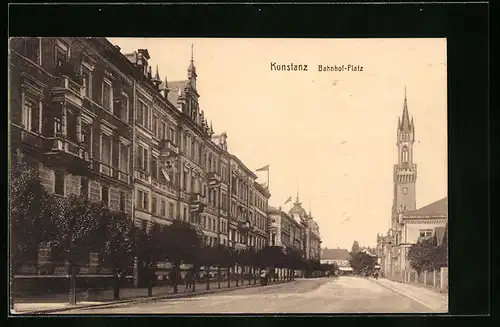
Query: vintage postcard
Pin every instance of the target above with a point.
(213, 175)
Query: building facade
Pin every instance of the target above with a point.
(408, 225)
(100, 123)
(338, 256)
(72, 115)
(311, 237)
(285, 231)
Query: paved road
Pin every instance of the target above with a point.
(340, 295)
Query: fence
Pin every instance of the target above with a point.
(436, 278)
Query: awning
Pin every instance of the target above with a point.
(345, 268)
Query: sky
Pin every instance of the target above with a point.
(331, 136)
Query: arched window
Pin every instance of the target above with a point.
(405, 154)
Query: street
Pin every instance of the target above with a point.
(340, 295)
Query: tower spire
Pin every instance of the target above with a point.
(192, 54)
(405, 119)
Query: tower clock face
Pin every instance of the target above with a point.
(405, 190)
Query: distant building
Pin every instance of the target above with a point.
(340, 257)
(312, 237)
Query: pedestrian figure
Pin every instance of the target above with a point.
(189, 280)
(263, 277)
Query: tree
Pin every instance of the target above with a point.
(31, 211)
(79, 232)
(425, 255)
(355, 247)
(182, 243)
(362, 262)
(119, 247)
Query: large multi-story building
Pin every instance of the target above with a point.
(295, 228)
(100, 123)
(71, 114)
(285, 230)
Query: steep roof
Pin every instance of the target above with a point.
(335, 254)
(174, 87)
(435, 209)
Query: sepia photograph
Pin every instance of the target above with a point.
(228, 175)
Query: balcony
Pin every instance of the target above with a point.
(245, 225)
(196, 203)
(20, 135)
(66, 151)
(142, 176)
(65, 89)
(168, 148)
(214, 179)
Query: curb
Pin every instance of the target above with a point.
(147, 299)
(406, 295)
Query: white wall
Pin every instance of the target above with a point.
(411, 229)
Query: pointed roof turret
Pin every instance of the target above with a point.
(192, 68)
(405, 119)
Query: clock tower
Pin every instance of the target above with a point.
(405, 171)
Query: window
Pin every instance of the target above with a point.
(107, 96)
(193, 147)
(71, 126)
(184, 217)
(154, 167)
(171, 210)
(105, 194)
(87, 136)
(143, 158)
(124, 108)
(204, 222)
(165, 130)
(57, 126)
(425, 233)
(34, 49)
(155, 125)
(163, 210)
(31, 114)
(186, 144)
(59, 182)
(161, 128)
(84, 187)
(106, 150)
(124, 155)
(143, 114)
(123, 197)
(171, 135)
(153, 205)
(184, 180)
(405, 154)
(142, 199)
(61, 56)
(87, 82)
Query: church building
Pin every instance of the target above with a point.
(408, 224)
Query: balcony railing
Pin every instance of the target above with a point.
(214, 179)
(66, 88)
(63, 145)
(143, 176)
(168, 148)
(106, 170)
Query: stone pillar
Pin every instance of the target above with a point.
(79, 128)
(434, 278)
(425, 277)
(64, 121)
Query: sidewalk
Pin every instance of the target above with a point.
(429, 297)
(59, 302)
